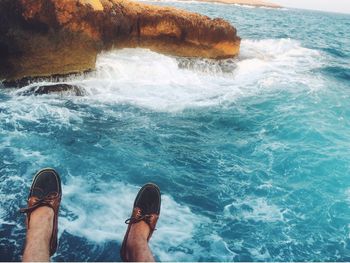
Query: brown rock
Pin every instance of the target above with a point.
(46, 37)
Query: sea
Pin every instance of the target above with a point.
(252, 154)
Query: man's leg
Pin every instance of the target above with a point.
(137, 246)
(142, 223)
(37, 247)
(42, 216)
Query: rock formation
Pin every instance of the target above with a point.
(48, 37)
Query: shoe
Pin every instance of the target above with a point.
(45, 191)
(146, 208)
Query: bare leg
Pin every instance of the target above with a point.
(137, 245)
(38, 235)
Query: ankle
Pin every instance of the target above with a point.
(138, 234)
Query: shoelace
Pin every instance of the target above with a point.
(45, 201)
(133, 220)
(138, 218)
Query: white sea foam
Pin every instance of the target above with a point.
(283, 61)
(246, 6)
(34, 109)
(9, 201)
(257, 209)
(97, 211)
(163, 83)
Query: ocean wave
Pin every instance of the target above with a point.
(166, 83)
(163, 83)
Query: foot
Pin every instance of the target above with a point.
(43, 205)
(141, 225)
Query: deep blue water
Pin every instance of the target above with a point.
(252, 154)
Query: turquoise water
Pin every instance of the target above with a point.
(251, 154)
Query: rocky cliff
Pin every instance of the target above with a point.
(48, 37)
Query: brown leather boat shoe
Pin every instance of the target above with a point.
(146, 208)
(45, 191)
